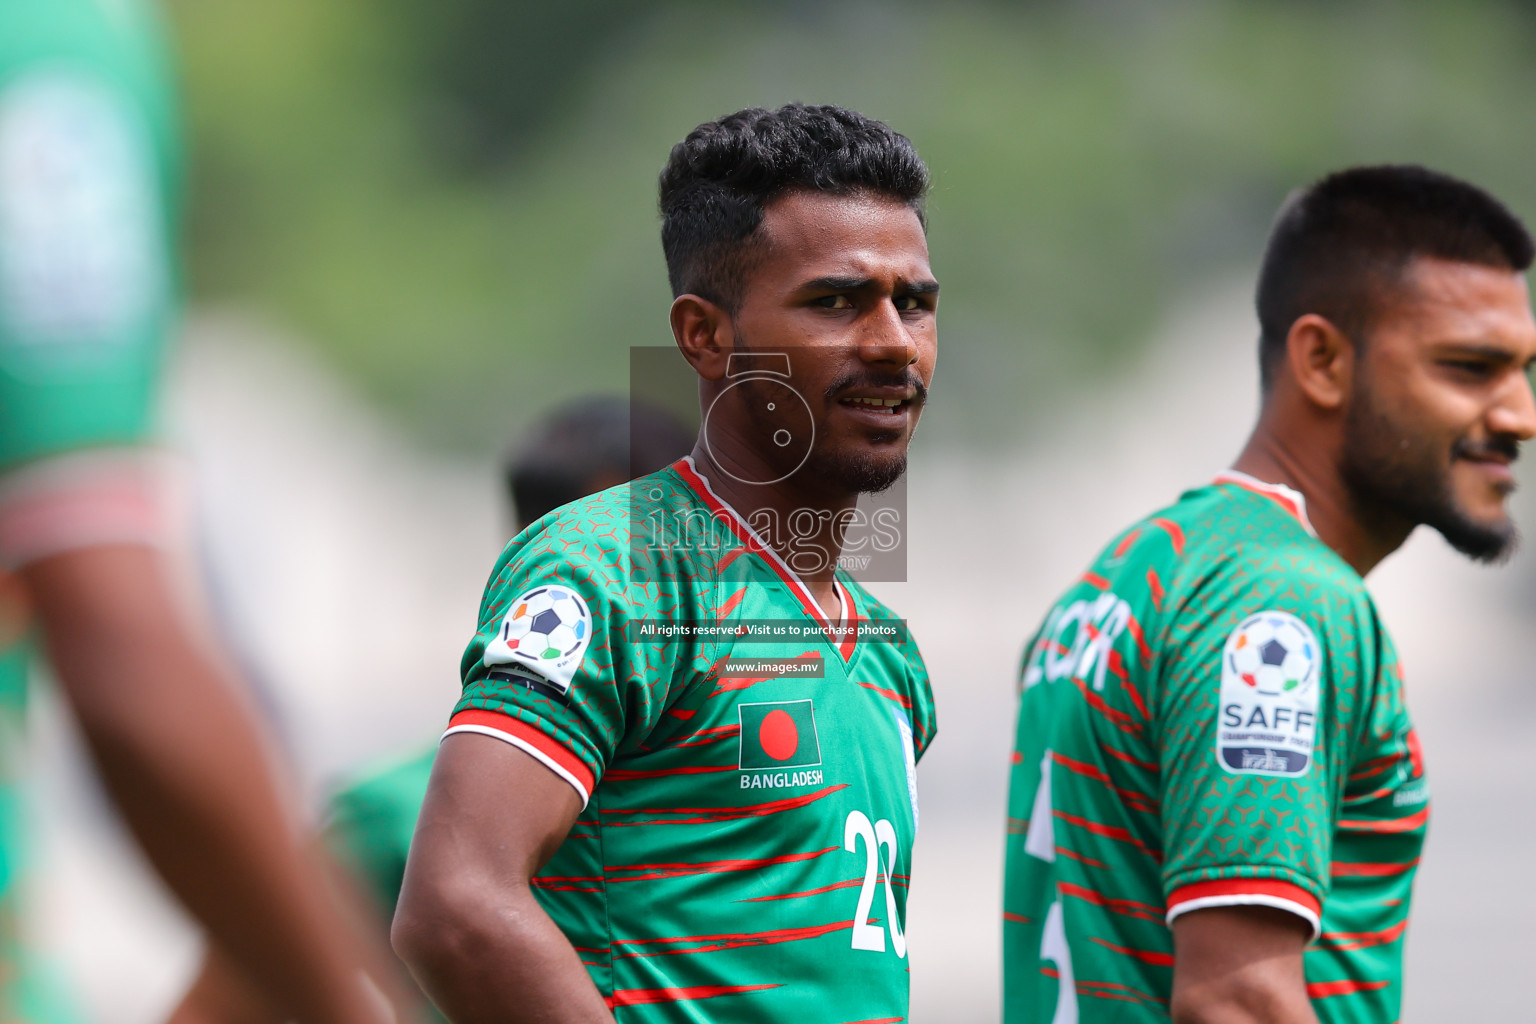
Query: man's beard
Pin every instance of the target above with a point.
(858, 472)
(1393, 475)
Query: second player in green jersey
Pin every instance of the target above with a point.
(1218, 801)
(1211, 716)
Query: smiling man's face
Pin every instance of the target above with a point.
(1442, 401)
(843, 288)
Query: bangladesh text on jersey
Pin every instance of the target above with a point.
(745, 848)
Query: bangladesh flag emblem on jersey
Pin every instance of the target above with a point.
(778, 734)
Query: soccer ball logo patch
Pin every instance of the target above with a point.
(1273, 653)
(546, 630)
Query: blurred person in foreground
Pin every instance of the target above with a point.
(580, 448)
(1218, 800)
(633, 815)
(87, 176)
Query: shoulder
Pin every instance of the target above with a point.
(602, 548)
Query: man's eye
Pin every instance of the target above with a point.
(907, 303)
(1474, 367)
(835, 302)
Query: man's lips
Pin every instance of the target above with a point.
(891, 402)
(1495, 457)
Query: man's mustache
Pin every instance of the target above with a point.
(1505, 446)
(849, 381)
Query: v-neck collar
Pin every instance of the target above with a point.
(848, 614)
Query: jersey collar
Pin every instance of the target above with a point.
(1288, 498)
(686, 468)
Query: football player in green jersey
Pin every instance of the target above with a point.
(681, 783)
(1218, 800)
(87, 172)
(579, 448)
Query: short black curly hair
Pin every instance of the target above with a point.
(718, 181)
(1342, 241)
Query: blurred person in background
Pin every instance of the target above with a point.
(581, 447)
(37, 992)
(626, 826)
(88, 180)
(1218, 800)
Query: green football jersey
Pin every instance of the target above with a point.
(31, 990)
(1212, 716)
(372, 821)
(86, 172)
(748, 770)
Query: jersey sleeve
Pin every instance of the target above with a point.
(1265, 675)
(558, 666)
(86, 304)
(86, 278)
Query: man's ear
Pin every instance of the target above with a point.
(1322, 360)
(704, 334)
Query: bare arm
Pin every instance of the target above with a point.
(220, 996)
(468, 925)
(1240, 965)
(187, 770)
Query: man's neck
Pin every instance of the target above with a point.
(809, 522)
(1336, 517)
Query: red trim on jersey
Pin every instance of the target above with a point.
(1407, 824)
(1272, 892)
(1121, 755)
(1155, 588)
(1415, 753)
(644, 996)
(1096, 581)
(891, 694)
(731, 602)
(1129, 908)
(1146, 956)
(1359, 940)
(1287, 498)
(1175, 533)
(1131, 796)
(1344, 869)
(806, 892)
(630, 775)
(1079, 857)
(516, 729)
(1117, 717)
(1126, 542)
(1324, 989)
(1008, 915)
(749, 539)
(87, 498)
(1133, 627)
(704, 815)
(728, 940)
(711, 867)
(1107, 831)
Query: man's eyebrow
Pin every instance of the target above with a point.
(1480, 350)
(838, 284)
(927, 286)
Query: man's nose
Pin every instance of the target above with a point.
(887, 338)
(1515, 413)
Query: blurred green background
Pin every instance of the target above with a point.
(454, 202)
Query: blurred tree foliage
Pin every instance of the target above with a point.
(455, 203)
